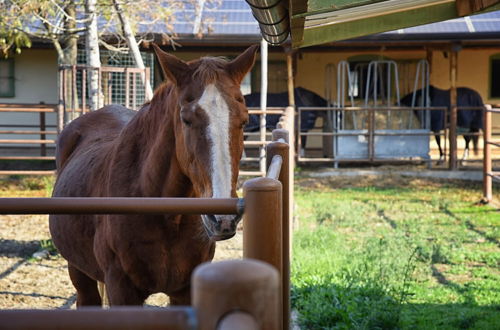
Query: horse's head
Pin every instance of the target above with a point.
(209, 120)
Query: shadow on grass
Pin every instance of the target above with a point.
(330, 306)
(450, 316)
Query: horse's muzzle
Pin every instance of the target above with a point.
(220, 227)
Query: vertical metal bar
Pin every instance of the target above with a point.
(60, 105)
(262, 237)
(147, 73)
(110, 87)
(134, 91)
(84, 90)
(73, 92)
(263, 104)
(100, 96)
(127, 88)
(487, 167)
(43, 149)
(371, 135)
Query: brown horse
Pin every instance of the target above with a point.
(187, 142)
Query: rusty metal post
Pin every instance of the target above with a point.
(84, 90)
(127, 88)
(262, 225)
(219, 289)
(43, 148)
(282, 149)
(487, 168)
(453, 110)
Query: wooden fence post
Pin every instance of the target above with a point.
(282, 149)
(262, 223)
(241, 293)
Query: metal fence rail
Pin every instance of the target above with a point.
(266, 238)
(120, 205)
(370, 132)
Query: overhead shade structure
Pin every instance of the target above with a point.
(313, 22)
(272, 16)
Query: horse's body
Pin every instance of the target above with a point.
(186, 142)
(468, 120)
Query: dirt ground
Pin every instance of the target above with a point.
(43, 282)
(27, 281)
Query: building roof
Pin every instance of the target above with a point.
(233, 21)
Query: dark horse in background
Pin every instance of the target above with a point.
(303, 98)
(468, 121)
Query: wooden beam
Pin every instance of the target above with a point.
(307, 32)
(453, 109)
(364, 26)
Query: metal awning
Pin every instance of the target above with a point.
(313, 22)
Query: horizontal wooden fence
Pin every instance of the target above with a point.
(33, 135)
(265, 238)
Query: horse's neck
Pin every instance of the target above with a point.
(146, 153)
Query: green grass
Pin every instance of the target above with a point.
(396, 258)
(26, 186)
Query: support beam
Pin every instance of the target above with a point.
(453, 108)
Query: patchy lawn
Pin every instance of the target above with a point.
(392, 252)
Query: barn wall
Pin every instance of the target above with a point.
(35, 77)
(35, 82)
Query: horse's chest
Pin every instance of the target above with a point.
(158, 257)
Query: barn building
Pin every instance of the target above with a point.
(470, 44)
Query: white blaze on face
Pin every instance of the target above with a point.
(217, 110)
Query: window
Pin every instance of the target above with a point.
(495, 76)
(7, 78)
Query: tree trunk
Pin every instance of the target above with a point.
(133, 47)
(93, 60)
(70, 54)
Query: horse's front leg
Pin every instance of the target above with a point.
(121, 290)
(437, 136)
(86, 288)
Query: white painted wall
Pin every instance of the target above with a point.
(35, 82)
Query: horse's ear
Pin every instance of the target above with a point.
(174, 68)
(240, 66)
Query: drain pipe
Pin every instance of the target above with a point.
(272, 16)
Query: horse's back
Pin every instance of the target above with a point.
(101, 125)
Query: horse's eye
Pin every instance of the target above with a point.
(189, 99)
(240, 99)
(186, 122)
